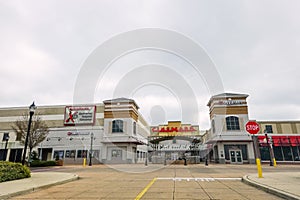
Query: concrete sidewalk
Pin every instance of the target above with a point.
(283, 184)
(37, 180)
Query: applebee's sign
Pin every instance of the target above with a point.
(79, 115)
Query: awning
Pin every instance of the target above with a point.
(279, 140)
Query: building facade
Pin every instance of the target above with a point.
(113, 131)
(228, 141)
(174, 141)
(279, 139)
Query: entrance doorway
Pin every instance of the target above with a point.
(15, 155)
(236, 156)
(116, 155)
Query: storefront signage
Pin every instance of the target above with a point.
(79, 115)
(173, 131)
(70, 133)
(229, 102)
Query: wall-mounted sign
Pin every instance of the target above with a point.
(79, 115)
(229, 102)
(73, 133)
(174, 130)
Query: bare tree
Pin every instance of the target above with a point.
(38, 132)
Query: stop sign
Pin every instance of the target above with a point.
(252, 127)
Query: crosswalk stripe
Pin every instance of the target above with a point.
(198, 179)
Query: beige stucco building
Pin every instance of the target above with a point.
(115, 132)
(114, 129)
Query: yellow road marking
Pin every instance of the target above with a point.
(139, 196)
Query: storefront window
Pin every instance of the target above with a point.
(287, 153)
(59, 154)
(82, 153)
(70, 153)
(264, 153)
(116, 153)
(278, 153)
(296, 153)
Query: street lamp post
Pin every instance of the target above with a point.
(270, 149)
(32, 108)
(91, 150)
(146, 155)
(5, 148)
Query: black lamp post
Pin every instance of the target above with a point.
(146, 154)
(32, 108)
(5, 148)
(91, 150)
(269, 147)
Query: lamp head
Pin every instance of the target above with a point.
(32, 108)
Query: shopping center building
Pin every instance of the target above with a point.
(228, 142)
(115, 132)
(114, 129)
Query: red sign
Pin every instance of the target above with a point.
(79, 115)
(252, 127)
(173, 129)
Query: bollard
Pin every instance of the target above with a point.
(185, 161)
(206, 162)
(84, 162)
(274, 162)
(259, 169)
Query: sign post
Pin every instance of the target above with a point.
(252, 127)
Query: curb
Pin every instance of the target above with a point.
(7, 196)
(269, 189)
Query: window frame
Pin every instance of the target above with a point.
(134, 128)
(233, 123)
(117, 126)
(269, 128)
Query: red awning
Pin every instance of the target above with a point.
(295, 140)
(276, 140)
(285, 141)
(279, 140)
(262, 140)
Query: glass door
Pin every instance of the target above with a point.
(236, 156)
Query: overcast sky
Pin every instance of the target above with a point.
(254, 46)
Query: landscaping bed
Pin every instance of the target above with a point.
(12, 171)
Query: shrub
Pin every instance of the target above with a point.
(11, 171)
(37, 163)
(34, 155)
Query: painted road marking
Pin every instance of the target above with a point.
(139, 196)
(200, 179)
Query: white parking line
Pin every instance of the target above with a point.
(199, 179)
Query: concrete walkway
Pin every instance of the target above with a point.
(283, 184)
(36, 181)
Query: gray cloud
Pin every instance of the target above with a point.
(254, 45)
